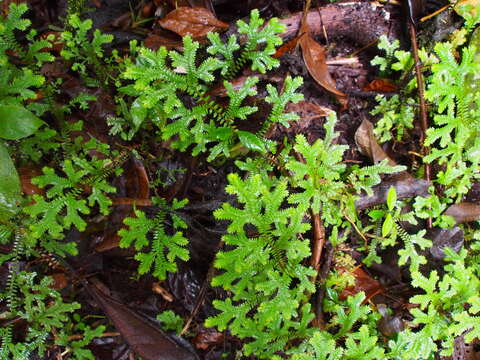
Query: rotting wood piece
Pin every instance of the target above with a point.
(361, 22)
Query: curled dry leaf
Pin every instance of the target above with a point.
(196, 22)
(308, 111)
(144, 338)
(315, 59)
(158, 289)
(287, 47)
(464, 212)
(368, 145)
(405, 185)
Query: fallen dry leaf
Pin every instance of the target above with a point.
(464, 212)
(154, 42)
(145, 339)
(315, 59)
(381, 85)
(368, 145)
(363, 282)
(196, 22)
(288, 46)
(207, 338)
(405, 184)
(26, 174)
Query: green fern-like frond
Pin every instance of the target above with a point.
(64, 202)
(280, 101)
(265, 265)
(163, 248)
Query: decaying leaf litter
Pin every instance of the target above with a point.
(330, 45)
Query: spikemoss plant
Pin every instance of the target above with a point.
(264, 263)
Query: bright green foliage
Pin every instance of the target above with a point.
(163, 78)
(449, 305)
(163, 246)
(84, 53)
(170, 321)
(258, 49)
(320, 175)
(263, 270)
(396, 116)
(77, 347)
(44, 310)
(389, 48)
(340, 341)
(64, 202)
(13, 22)
(456, 131)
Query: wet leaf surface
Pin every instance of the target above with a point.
(146, 339)
(196, 22)
(9, 185)
(442, 238)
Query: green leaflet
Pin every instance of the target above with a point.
(16, 122)
(10, 195)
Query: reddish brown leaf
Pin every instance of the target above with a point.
(144, 338)
(197, 22)
(363, 282)
(137, 183)
(60, 281)
(308, 110)
(381, 85)
(315, 60)
(26, 174)
(154, 42)
(405, 184)
(207, 338)
(287, 47)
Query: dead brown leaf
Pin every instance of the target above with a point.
(315, 59)
(368, 145)
(26, 174)
(196, 22)
(464, 212)
(363, 282)
(144, 338)
(207, 338)
(381, 85)
(155, 41)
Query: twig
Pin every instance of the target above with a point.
(356, 229)
(423, 105)
(327, 263)
(202, 292)
(318, 243)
